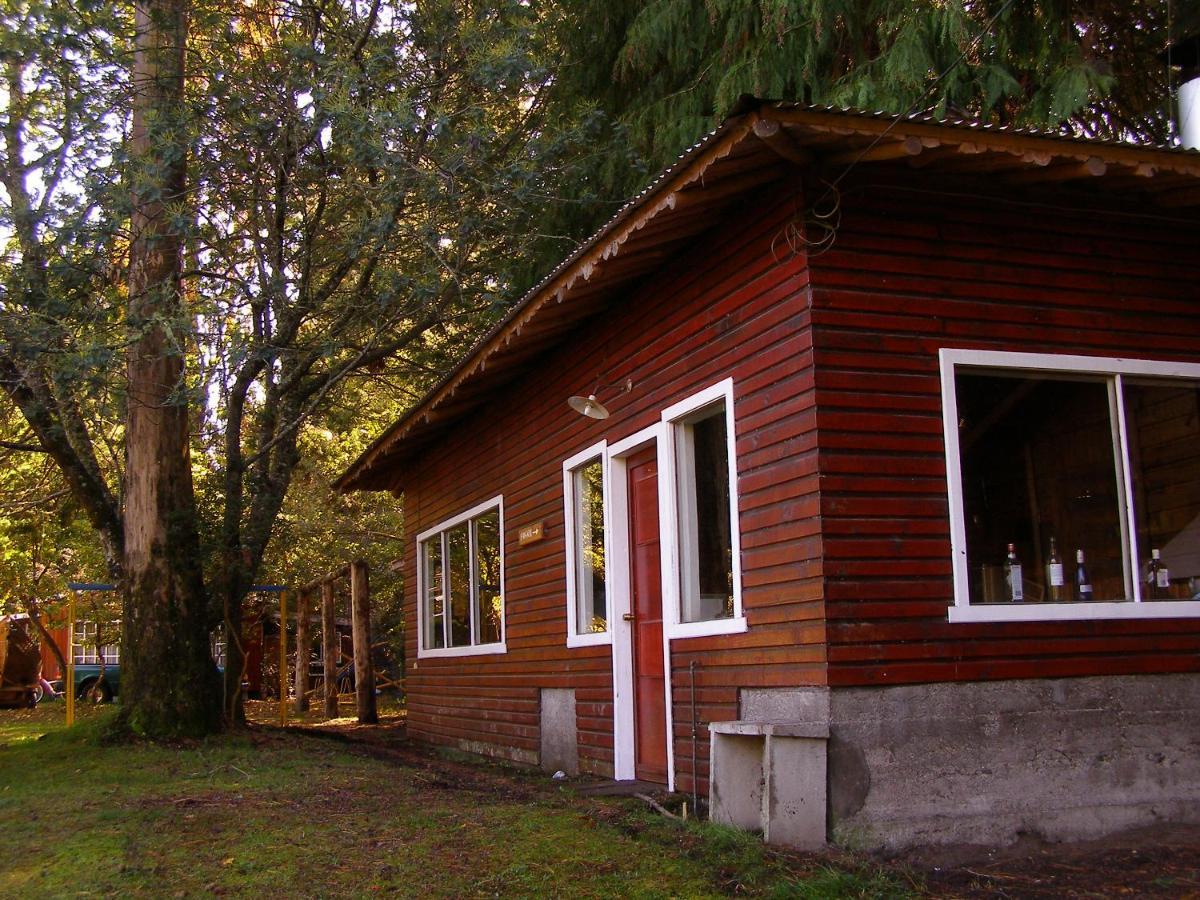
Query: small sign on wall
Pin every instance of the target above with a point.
(530, 534)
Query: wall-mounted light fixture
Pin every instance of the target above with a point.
(589, 406)
(593, 408)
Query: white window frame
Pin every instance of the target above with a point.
(83, 640)
(673, 533)
(596, 452)
(954, 360)
(500, 646)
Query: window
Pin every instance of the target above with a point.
(585, 493)
(1088, 468)
(460, 592)
(217, 646)
(701, 476)
(85, 645)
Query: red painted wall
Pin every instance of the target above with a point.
(728, 307)
(49, 662)
(841, 468)
(942, 266)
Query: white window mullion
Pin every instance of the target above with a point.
(1133, 583)
(447, 589)
(954, 489)
(473, 577)
(684, 511)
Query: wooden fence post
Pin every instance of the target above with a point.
(283, 655)
(364, 672)
(303, 650)
(330, 646)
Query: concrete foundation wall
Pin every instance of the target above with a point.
(983, 763)
(559, 733)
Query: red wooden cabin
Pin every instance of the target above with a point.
(847, 360)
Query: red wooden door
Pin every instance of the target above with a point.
(650, 709)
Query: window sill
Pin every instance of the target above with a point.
(706, 629)
(479, 650)
(597, 639)
(1066, 612)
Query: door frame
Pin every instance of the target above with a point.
(624, 747)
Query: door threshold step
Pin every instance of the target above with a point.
(621, 788)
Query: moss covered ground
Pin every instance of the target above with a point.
(282, 813)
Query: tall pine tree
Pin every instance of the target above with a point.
(655, 75)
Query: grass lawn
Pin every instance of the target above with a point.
(283, 813)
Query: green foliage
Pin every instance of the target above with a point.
(365, 190)
(298, 816)
(661, 73)
(45, 540)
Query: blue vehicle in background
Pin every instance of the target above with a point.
(94, 685)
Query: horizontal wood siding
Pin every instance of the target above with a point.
(919, 266)
(732, 306)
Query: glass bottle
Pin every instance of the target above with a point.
(1012, 574)
(1083, 582)
(1054, 574)
(1158, 579)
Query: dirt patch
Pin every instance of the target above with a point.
(1163, 861)
(387, 742)
(1159, 861)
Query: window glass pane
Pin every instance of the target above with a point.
(489, 604)
(1039, 468)
(435, 593)
(1163, 425)
(591, 612)
(459, 566)
(706, 547)
(85, 644)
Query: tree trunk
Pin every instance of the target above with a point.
(168, 681)
(330, 647)
(364, 671)
(303, 645)
(235, 652)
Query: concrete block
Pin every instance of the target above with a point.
(735, 792)
(770, 776)
(794, 799)
(559, 732)
(803, 704)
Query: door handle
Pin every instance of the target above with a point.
(628, 617)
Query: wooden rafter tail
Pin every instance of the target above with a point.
(943, 154)
(884, 151)
(984, 161)
(772, 133)
(1071, 170)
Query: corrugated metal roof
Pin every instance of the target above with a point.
(859, 131)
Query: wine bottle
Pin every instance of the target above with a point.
(1012, 573)
(1158, 580)
(1083, 583)
(1054, 574)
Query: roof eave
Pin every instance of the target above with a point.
(886, 136)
